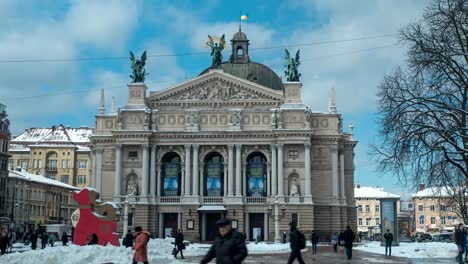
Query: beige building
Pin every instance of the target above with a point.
(235, 141)
(4, 141)
(59, 153)
(34, 200)
(369, 211)
(433, 210)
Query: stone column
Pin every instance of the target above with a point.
(280, 170)
(196, 179)
(158, 179)
(335, 183)
(274, 175)
(268, 180)
(179, 221)
(145, 181)
(247, 226)
(99, 170)
(225, 184)
(244, 180)
(203, 226)
(92, 181)
(265, 227)
(187, 170)
(230, 170)
(153, 178)
(118, 172)
(342, 178)
(202, 179)
(160, 225)
(238, 170)
(307, 169)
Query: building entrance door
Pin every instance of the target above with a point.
(211, 227)
(170, 223)
(256, 228)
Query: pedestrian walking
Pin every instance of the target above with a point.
(297, 243)
(334, 241)
(11, 240)
(64, 239)
(179, 244)
(52, 240)
(228, 247)
(44, 240)
(4, 242)
(141, 246)
(314, 239)
(460, 242)
(129, 239)
(284, 237)
(388, 242)
(348, 237)
(341, 241)
(33, 238)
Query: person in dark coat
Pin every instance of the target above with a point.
(388, 242)
(348, 237)
(44, 240)
(314, 239)
(297, 242)
(4, 242)
(179, 243)
(228, 247)
(94, 240)
(284, 238)
(33, 238)
(64, 239)
(460, 242)
(129, 239)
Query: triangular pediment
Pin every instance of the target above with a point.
(216, 86)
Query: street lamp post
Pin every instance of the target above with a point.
(277, 217)
(125, 223)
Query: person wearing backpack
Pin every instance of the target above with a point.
(349, 237)
(314, 239)
(297, 242)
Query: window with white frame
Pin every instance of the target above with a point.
(442, 220)
(82, 164)
(359, 208)
(442, 207)
(360, 221)
(81, 179)
(377, 221)
(433, 221)
(421, 220)
(368, 221)
(421, 208)
(367, 208)
(377, 208)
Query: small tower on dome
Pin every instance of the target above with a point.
(240, 48)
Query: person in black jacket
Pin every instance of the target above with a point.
(179, 243)
(4, 242)
(388, 242)
(33, 239)
(297, 241)
(314, 239)
(64, 239)
(349, 237)
(460, 242)
(128, 240)
(94, 240)
(228, 247)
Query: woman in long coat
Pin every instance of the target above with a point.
(140, 247)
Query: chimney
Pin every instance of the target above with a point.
(53, 128)
(359, 186)
(422, 187)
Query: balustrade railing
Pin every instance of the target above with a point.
(213, 200)
(256, 200)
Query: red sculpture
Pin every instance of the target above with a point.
(94, 219)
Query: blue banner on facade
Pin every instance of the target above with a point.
(256, 176)
(213, 179)
(171, 179)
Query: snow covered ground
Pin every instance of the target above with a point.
(414, 250)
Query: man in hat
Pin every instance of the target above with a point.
(297, 243)
(228, 247)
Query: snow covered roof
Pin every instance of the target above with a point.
(38, 178)
(432, 192)
(371, 192)
(59, 134)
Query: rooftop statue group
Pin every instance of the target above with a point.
(216, 49)
(138, 68)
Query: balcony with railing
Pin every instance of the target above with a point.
(255, 200)
(169, 200)
(213, 200)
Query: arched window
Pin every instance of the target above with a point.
(240, 51)
(51, 164)
(256, 175)
(214, 175)
(170, 175)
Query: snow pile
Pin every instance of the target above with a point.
(370, 192)
(415, 250)
(159, 251)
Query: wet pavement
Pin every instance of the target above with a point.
(326, 255)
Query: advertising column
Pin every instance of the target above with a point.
(389, 219)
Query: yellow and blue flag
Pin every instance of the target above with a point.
(244, 17)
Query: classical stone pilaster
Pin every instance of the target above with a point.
(153, 171)
(196, 179)
(342, 178)
(238, 170)
(93, 167)
(99, 169)
(280, 170)
(145, 174)
(158, 179)
(274, 174)
(187, 170)
(308, 179)
(230, 170)
(118, 172)
(335, 181)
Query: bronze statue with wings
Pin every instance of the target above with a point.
(138, 68)
(292, 65)
(217, 46)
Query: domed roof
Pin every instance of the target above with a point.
(254, 72)
(239, 36)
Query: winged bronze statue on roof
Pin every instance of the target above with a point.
(217, 46)
(138, 68)
(292, 65)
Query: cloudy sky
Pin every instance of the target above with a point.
(41, 91)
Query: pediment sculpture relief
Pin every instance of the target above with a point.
(216, 90)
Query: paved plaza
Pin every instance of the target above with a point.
(327, 256)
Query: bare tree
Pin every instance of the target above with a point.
(423, 107)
